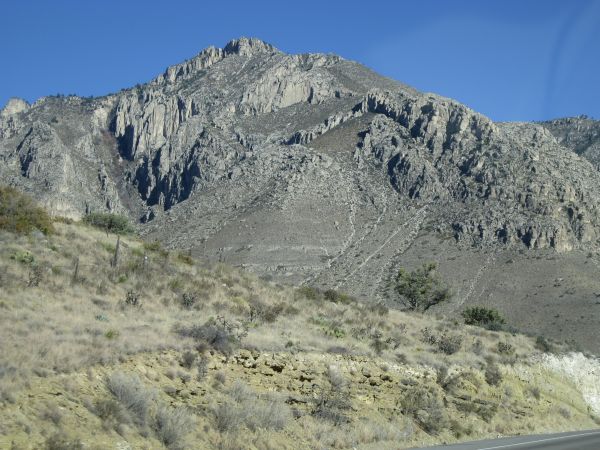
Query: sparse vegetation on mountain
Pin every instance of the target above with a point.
(19, 213)
(111, 223)
(484, 317)
(422, 288)
(140, 362)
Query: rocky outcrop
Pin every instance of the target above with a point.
(580, 134)
(9, 117)
(145, 122)
(14, 106)
(434, 150)
(295, 79)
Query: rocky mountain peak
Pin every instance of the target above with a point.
(206, 58)
(248, 46)
(306, 166)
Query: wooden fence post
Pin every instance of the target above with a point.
(75, 271)
(115, 259)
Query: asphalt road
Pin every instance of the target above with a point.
(577, 440)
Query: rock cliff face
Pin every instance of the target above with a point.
(307, 167)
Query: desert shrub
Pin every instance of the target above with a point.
(35, 277)
(201, 368)
(111, 223)
(460, 429)
(309, 292)
(53, 414)
(132, 394)
(63, 219)
(445, 343)
(153, 246)
(60, 441)
(428, 337)
(330, 327)
(544, 345)
(337, 297)
(188, 359)
(108, 409)
(449, 343)
(19, 213)
(536, 392)
(268, 413)
(493, 375)
(185, 258)
(333, 405)
(111, 334)
(220, 334)
(483, 408)
(380, 308)
(483, 317)
(505, 348)
(228, 417)
(172, 425)
(156, 247)
(422, 288)
(132, 298)
(23, 257)
(426, 408)
(246, 407)
(379, 345)
(188, 300)
(441, 375)
(565, 412)
(261, 311)
(334, 349)
(220, 377)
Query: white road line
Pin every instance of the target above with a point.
(540, 440)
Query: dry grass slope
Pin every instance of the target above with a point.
(154, 349)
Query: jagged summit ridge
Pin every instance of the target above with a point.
(243, 46)
(246, 46)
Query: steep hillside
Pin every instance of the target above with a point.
(154, 349)
(314, 170)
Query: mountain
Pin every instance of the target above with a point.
(314, 169)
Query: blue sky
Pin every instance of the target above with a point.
(511, 60)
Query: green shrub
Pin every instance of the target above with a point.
(20, 214)
(309, 292)
(188, 300)
(337, 297)
(23, 257)
(111, 223)
(484, 317)
(422, 288)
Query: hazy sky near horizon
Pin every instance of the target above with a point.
(511, 60)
